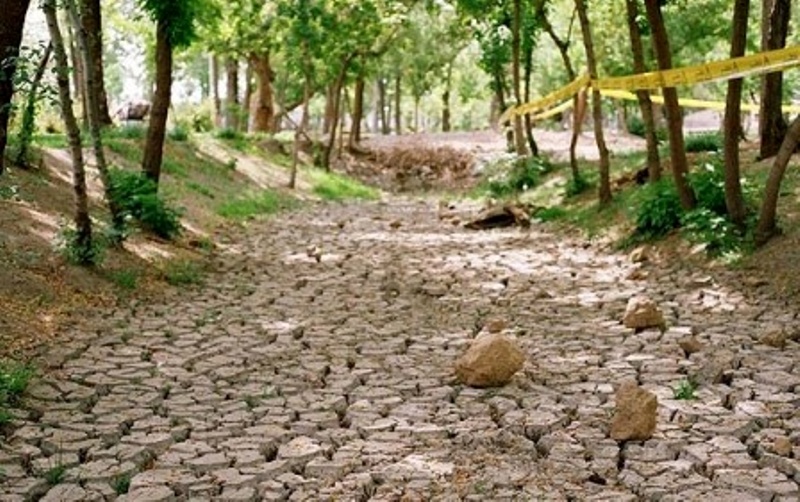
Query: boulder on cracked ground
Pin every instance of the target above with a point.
(642, 313)
(635, 413)
(491, 361)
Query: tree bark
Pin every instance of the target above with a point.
(358, 113)
(604, 191)
(448, 80)
(336, 95)
(577, 119)
(92, 25)
(29, 113)
(519, 135)
(382, 115)
(398, 116)
(83, 222)
(734, 200)
(263, 107)
(643, 96)
(11, 23)
(766, 227)
(534, 148)
(232, 94)
(214, 62)
(500, 96)
(154, 148)
(680, 165)
(244, 109)
(772, 126)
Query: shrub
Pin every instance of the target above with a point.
(704, 142)
(138, 198)
(178, 133)
(577, 186)
(228, 133)
(14, 379)
(708, 184)
(202, 121)
(660, 210)
(521, 175)
(636, 127)
(78, 253)
(716, 231)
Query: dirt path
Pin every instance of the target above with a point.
(291, 379)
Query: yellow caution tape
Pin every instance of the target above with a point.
(693, 103)
(755, 64)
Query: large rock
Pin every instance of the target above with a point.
(491, 361)
(635, 414)
(642, 313)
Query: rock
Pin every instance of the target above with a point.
(713, 371)
(782, 446)
(491, 361)
(635, 415)
(775, 339)
(495, 325)
(690, 345)
(640, 254)
(642, 313)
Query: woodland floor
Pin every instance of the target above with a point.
(292, 378)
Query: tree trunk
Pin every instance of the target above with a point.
(448, 80)
(734, 200)
(154, 148)
(767, 227)
(358, 113)
(215, 90)
(500, 96)
(328, 118)
(92, 105)
(563, 49)
(301, 129)
(232, 109)
(83, 222)
(11, 24)
(29, 113)
(597, 106)
(772, 126)
(244, 109)
(382, 115)
(92, 25)
(680, 166)
(527, 96)
(398, 116)
(519, 135)
(336, 95)
(263, 109)
(643, 96)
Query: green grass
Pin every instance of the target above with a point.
(14, 379)
(685, 391)
(201, 189)
(124, 279)
(335, 187)
(55, 474)
(262, 203)
(121, 484)
(183, 273)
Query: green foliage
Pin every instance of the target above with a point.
(70, 247)
(716, 231)
(636, 127)
(178, 18)
(263, 203)
(229, 133)
(704, 142)
(660, 210)
(124, 279)
(178, 133)
(517, 175)
(335, 187)
(551, 213)
(686, 390)
(14, 379)
(121, 483)
(55, 474)
(576, 186)
(708, 184)
(131, 131)
(182, 273)
(138, 198)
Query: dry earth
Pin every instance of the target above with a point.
(292, 378)
(289, 378)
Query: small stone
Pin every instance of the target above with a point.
(782, 446)
(491, 361)
(690, 345)
(642, 313)
(775, 339)
(640, 254)
(495, 325)
(65, 493)
(635, 417)
(396, 224)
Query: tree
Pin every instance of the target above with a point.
(767, 227)
(174, 28)
(680, 165)
(11, 25)
(92, 25)
(604, 192)
(83, 222)
(642, 95)
(519, 138)
(734, 200)
(775, 15)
